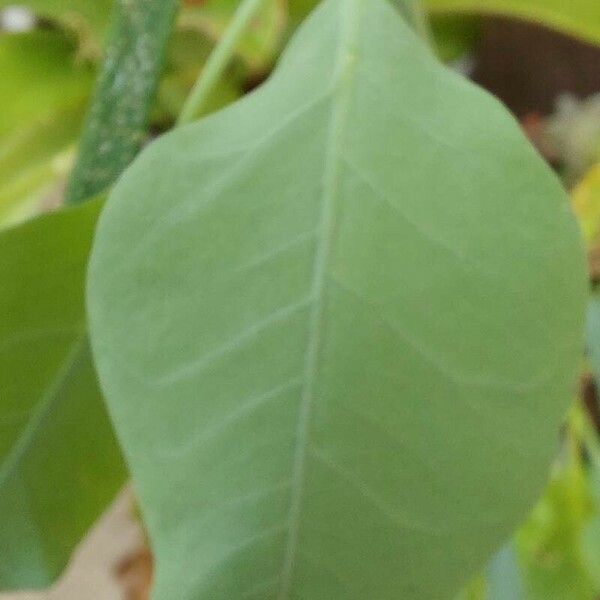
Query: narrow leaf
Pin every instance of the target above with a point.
(338, 325)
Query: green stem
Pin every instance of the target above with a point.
(219, 60)
(117, 121)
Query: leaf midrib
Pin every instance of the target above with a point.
(344, 69)
(39, 415)
(42, 409)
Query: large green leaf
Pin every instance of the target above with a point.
(580, 18)
(59, 462)
(338, 325)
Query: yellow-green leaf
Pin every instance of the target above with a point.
(580, 18)
(586, 203)
(88, 18)
(45, 92)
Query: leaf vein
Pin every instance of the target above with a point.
(345, 67)
(194, 367)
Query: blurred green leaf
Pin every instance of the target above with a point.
(40, 76)
(33, 166)
(586, 203)
(590, 536)
(550, 542)
(59, 462)
(580, 18)
(187, 54)
(475, 590)
(45, 92)
(454, 35)
(259, 46)
(88, 18)
(299, 10)
(590, 550)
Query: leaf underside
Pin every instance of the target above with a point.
(59, 461)
(338, 325)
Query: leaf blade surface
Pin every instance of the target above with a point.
(59, 461)
(319, 332)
